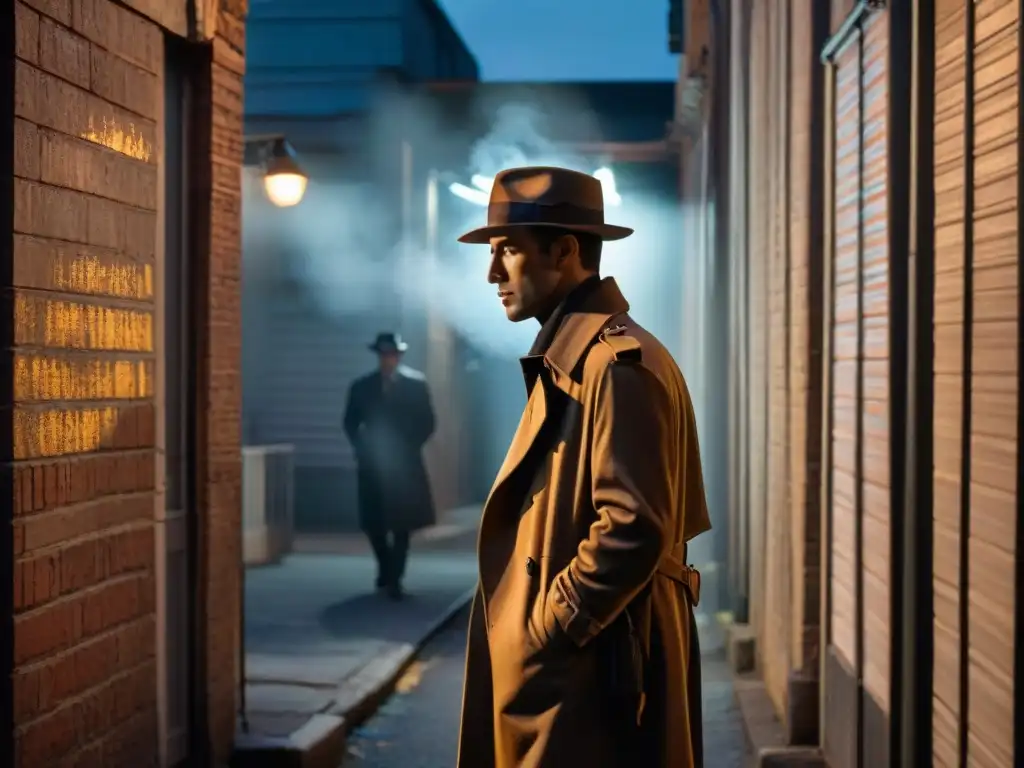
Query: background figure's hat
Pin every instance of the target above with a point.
(544, 196)
(388, 342)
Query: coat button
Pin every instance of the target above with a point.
(531, 566)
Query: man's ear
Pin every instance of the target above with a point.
(565, 247)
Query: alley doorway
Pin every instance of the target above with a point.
(175, 529)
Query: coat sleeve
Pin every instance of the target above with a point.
(631, 417)
(353, 417)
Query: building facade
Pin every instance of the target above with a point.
(870, 189)
(120, 426)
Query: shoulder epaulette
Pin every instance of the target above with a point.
(623, 347)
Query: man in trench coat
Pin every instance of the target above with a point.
(582, 647)
(388, 419)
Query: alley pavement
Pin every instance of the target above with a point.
(323, 643)
(418, 726)
(319, 636)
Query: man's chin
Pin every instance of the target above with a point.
(517, 314)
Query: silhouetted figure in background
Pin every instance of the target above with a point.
(388, 418)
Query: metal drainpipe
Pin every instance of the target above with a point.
(242, 714)
(242, 709)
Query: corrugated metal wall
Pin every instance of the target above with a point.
(976, 477)
(820, 329)
(950, 174)
(861, 551)
(775, 339)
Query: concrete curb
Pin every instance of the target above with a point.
(376, 681)
(320, 743)
(764, 733)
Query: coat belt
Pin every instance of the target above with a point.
(673, 566)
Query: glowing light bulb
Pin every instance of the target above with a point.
(285, 189)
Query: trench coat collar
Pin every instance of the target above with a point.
(577, 330)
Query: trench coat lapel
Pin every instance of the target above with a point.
(530, 424)
(555, 367)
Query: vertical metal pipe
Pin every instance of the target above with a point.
(828, 256)
(915, 743)
(405, 247)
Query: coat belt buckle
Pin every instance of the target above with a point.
(692, 577)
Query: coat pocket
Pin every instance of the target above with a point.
(540, 625)
(625, 661)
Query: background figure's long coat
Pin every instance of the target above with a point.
(387, 429)
(581, 549)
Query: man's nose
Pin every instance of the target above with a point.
(494, 272)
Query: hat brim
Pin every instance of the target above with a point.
(483, 235)
(388, 347)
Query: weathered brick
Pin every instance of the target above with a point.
(40, 378)
(63, 53)
(86, 167)
(127, 229)
(26, 33)
(49, 432)
(117, 602)
(123, 83)
(118, 706)
(140, 233)
(47, 630)
(83, 535)
(26, 150)
(55, 9)
(50, 211)
(131, 743)
(78, 479)
(119, 31)
(129, 550)
(40, 580)
(46, 740)
(87, 324)
(82, 565)
(169, 15)
(51, 102)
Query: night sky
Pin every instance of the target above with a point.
(566, 39)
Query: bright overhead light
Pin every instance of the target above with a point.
(475, 196)
(607, 179)
(483, 183)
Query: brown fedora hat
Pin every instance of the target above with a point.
(544, 196)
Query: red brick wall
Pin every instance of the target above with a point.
(221, 385)
(87, 91)
(87, 100)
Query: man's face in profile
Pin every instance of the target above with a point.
(525, 274)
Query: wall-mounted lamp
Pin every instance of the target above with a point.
(283, 180)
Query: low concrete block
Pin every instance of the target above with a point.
(740, 648)
(790, 757)
(802, 709)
